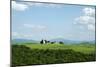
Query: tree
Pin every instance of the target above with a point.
(52, 42)
(61, 42)
(41, 42)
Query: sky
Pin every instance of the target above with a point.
(38, 21)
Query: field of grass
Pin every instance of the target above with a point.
(36, 54)
(79, 48)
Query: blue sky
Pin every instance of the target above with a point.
(49, 21)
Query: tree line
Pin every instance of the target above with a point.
(50, 42)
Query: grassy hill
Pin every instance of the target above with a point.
(36, 54)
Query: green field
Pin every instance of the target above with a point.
(77, 47)
(35, 53)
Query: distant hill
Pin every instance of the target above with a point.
(23, 41)
(64, 40)
(70, 41)
(52, 40)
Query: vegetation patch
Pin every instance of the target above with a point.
(23, 55)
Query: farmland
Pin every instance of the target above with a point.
(35, 53)
(78, 48)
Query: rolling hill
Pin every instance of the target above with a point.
(23, 41)
(66, 41)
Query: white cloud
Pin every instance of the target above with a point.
(52, 5)
(87, 19)
(91, 27)
(14, 34)
(35, 28)
(42, 4)
(28, 25)
(19, 6)
(21, 35)
(33, 4)
(31, 28)
(26, 35)
(89, 11)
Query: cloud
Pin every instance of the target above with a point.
(21, 35)
(53, 5)
(28, 25)
(14, 34)
(91, 27)
(33, 4)
(38, 4)
(26, 35)
(89, 11)
(35, 28)
(87, 19)
(19, 6)
(31, 30)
